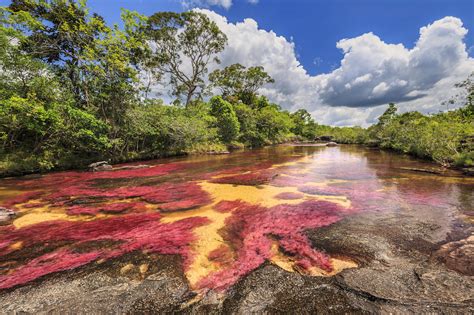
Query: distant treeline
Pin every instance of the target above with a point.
(446, 138)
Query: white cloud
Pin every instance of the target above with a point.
(394, 72)
(251, 46)
(188, 4)
(206, 3)
(371, 74)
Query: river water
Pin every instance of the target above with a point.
(297, 208)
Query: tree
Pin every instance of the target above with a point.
(468, 94)
(184, 45)
(274, 124)
(304, 124)
(236, 80)
(226, 119)
(97, 63)
(63, 35)
(388, 115)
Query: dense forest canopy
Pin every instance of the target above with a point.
(73, 90)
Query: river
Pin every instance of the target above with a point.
(290, 228)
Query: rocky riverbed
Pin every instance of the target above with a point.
(410, 253)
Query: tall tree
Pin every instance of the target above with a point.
(304, 124)
(388, 115)
(236, 80)
(184, 45)
(64, 36)
(97, 63)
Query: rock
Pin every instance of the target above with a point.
(97, 164)
(100, 166)
(217, 152)
(331, 144)
(131, 167)
(6, 214)
(422, 170)
(468, 171)
(458, 255)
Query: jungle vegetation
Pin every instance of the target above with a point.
(74, 90)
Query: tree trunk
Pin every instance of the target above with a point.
(190, 95)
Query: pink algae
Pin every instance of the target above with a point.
(289, 196)
(126, 233)
(252, 229)
(111, 208)
(133, 205)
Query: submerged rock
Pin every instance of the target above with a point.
(131, 167)
(6, 214)
(458, 255)
(331, 144)
(423, 170)
(468, 171)
(217, 152)
(100, 166)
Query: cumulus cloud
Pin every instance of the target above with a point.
(371, 73)
(251, 46)
(206, 3)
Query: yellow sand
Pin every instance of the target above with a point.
(46, 213)
(208, 237)
(43, 214)
(16, 245)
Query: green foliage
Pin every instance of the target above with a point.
(226, 119)
(247, 117)
(50, 133)
(274, 125)
(155, 130)
(188, 38)
(435, 137)
(304, 125)
(236, 80)
(95, 62)
(446, 138)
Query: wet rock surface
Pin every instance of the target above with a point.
(413, 246)
(398, 274)
(6, 214)
(458, 255)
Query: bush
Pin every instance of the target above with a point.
(226, 119)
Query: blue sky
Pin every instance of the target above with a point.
(316, 25)
(342, 60)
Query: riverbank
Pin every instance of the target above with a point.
(435, 168)
(15, 166)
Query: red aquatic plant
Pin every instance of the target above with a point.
(253, 178)
(125, 233)
(251, 230)
(289, 196)
(110, 208)
(22, 198)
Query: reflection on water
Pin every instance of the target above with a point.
(223, 215)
